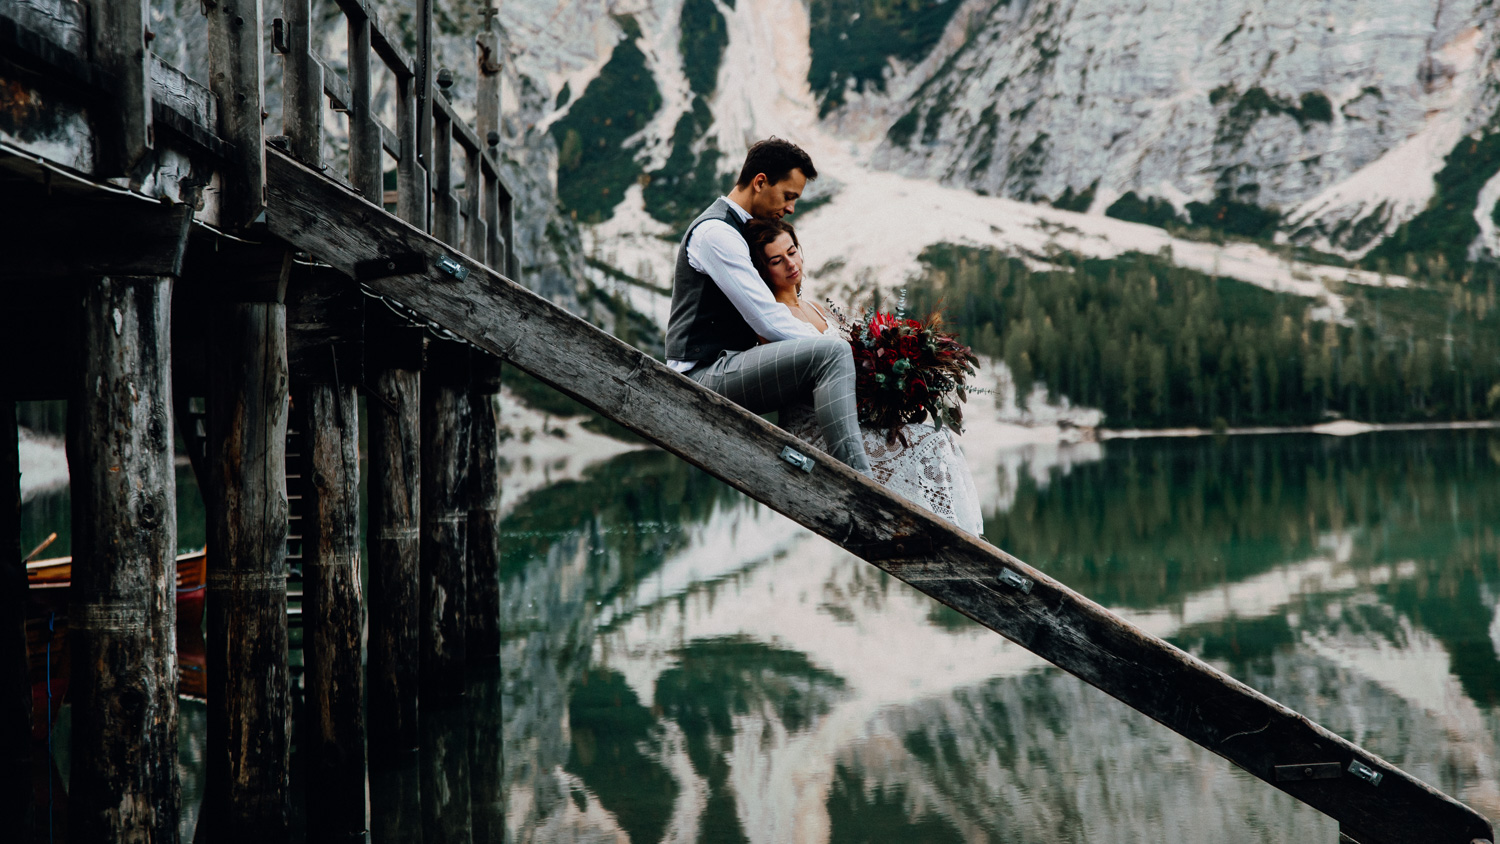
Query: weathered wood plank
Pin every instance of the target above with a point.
(302, 86)
(444, 205)
(1171, 686)
(483, 597)
(124, 608)
(120, 46)
(425, 73)
(332, 617)
(395, 549)
(446, 421)
(487, 126)
(128, 236)
(64, 22)
(179, 92)
(236, 78)
(15, 685)
(475, 233)
(249, 709)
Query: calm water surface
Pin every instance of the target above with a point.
(682, 664)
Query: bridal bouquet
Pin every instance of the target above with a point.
(907, 370)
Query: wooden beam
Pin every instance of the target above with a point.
(64, 22)
(128, 236)
(124, 607)
(332, 616)
(1175, 688)
(235, 76)
(249, 707)
(483, 595)
(120, 46)
(395, 549)
(15, 684)
(446, 420)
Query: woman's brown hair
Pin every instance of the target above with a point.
(762, 233)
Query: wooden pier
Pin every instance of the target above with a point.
(161, 250)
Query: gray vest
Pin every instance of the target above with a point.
(704, 322)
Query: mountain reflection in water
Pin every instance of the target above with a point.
(682, 664)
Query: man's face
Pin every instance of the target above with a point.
(769, 201)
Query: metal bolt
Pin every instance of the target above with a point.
(445, 79)
(494, 138)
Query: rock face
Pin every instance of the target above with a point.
(1272, 105)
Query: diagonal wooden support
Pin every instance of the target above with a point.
(992, 587)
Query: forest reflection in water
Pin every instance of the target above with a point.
(681, 664)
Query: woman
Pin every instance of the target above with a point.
(929, 469)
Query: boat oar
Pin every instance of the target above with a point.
(40, 548)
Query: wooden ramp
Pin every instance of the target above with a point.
(1373, 801)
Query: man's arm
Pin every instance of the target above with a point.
(716, 249)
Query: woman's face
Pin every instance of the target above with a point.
(784, 262)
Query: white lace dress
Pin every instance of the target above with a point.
(929, 471)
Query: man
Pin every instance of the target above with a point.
(720, 307)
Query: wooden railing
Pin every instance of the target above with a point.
(427, 126)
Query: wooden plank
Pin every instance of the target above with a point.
(1180, 691)
(63, 22)
(395, 551)
(236, 78)
(332, 616)
(123, 784)
(446, 421)
(483, 595)
(120, 47)
(128, 235)
(181, 93)
(302, 85)
(339, 95)
(389, 140)
(249, 706)
(15, 684)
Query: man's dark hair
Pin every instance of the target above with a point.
(777, 159)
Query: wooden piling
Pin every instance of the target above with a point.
(396, 803)
(446, 422)
(446, 811)
(395, 549)
(332, 617)
(15, 684)
(248, 758)
(124, 600)
(483, 597)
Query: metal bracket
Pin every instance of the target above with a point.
(410, 263)
(280, 43)
(797, 458)
(452, 267)
(1017, 580)
(1365, 772)
(1309, 771)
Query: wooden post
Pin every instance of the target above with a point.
(120, 46)
(302, 86)
(483, 598)
(15, 684)
(248, 759)
(364, 133)
(396, 803)
(332, 618)
(124, 606)
(445, 512)
(423, 90)
(411, 178)
(395, 549)
(475, 236)
(486, 749)
(444, 207)
(235, 77)
(487, 125)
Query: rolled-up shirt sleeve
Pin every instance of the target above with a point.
(721, 253)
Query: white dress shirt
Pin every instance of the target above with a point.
(718, 251)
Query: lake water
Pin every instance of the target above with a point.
(683, 664)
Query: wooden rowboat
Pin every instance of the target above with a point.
(47, 650)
